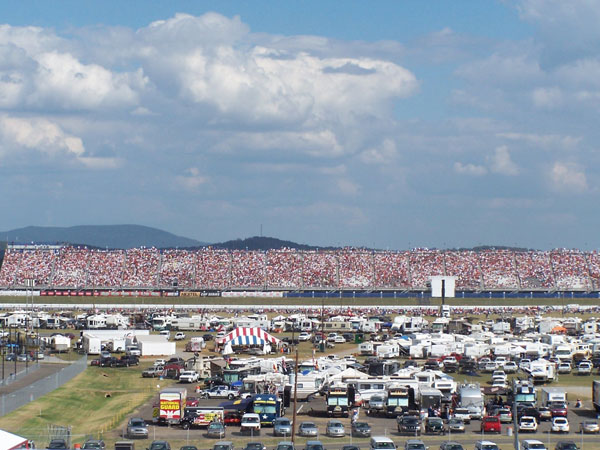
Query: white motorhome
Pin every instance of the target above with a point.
(387, 351)
(541, 371)
(471, 397)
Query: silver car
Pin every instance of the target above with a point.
(282, 426)
(335, 428)
(308, 429)
(137, 428)
(456, 425)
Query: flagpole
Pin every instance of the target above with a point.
(295, 398)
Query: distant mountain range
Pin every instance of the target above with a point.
(100, 236)
(131, 236)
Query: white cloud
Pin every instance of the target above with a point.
(469, 169)
(501, 163)
(543, 140)
(192, 179)
(347, 187)
(96, 162)
(385, 153)
(37, 134)
(568, 177)
(547, 98)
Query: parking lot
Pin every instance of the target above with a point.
(314, 411)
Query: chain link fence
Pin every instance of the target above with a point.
(14, 376)
(10, 402)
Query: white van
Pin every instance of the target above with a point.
(166, 333)
(382, 443)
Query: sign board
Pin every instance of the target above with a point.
(449, 286)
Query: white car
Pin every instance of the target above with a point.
(524, 364)
(160, 362)
(560, 425)
(528, 423)
(304, 336)
(133, 350)
(340, 340)
(331, 337)
(189, 376)
(510, 367)
(499, 383)
(179, 336)
(564, 368)
(499, 374)
(584, 368)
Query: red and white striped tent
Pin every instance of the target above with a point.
(248, 336)
(9, 441)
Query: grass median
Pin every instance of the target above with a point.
(92, 404)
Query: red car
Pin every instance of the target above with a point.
(192, 401)
(232, 418)
(491, 424)
(558, 409)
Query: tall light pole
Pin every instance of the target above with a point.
(295, 398)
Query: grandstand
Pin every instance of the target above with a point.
(207, 269)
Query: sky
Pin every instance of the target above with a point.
(384, 124)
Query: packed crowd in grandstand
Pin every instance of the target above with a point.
(289, 269)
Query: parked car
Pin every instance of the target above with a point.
(215, 430)
(23, 357)
(415, 444)
(223, 445)
(560, 425)
(285, 445)
(179, 336)
(564, 368)
(189, 376)
(456, 425)
(409, 425)
(208, 337)
(339, 339)
(137, 428)
(250, 424)
(282, 426)
(152, 372)
(220, 392)
(335, 428)
(449, 445)
(58, 444)
(533, 444)
(434, 425)
(510, 367)
(505, 415)
(188, 447)
(491, 424)
(486, 445)
(462, 413)
(159, 445)
(528, 424)
(255, 446)
(308, 429)
(544, 413)
(313, 445)
(94, 444)
(361, 429)
(584, 368)
(566, 445)
(589, 427)
(559, 409)
(304, 336)
(232, 418)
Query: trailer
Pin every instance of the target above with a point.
(171, 405)
(553, 395)
(596, 394)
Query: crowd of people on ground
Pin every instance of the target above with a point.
(291, 269)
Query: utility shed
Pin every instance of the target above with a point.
(155, 345)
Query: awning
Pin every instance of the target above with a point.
(248, 336)
(237, 405)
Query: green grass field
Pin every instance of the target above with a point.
(93, 403)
